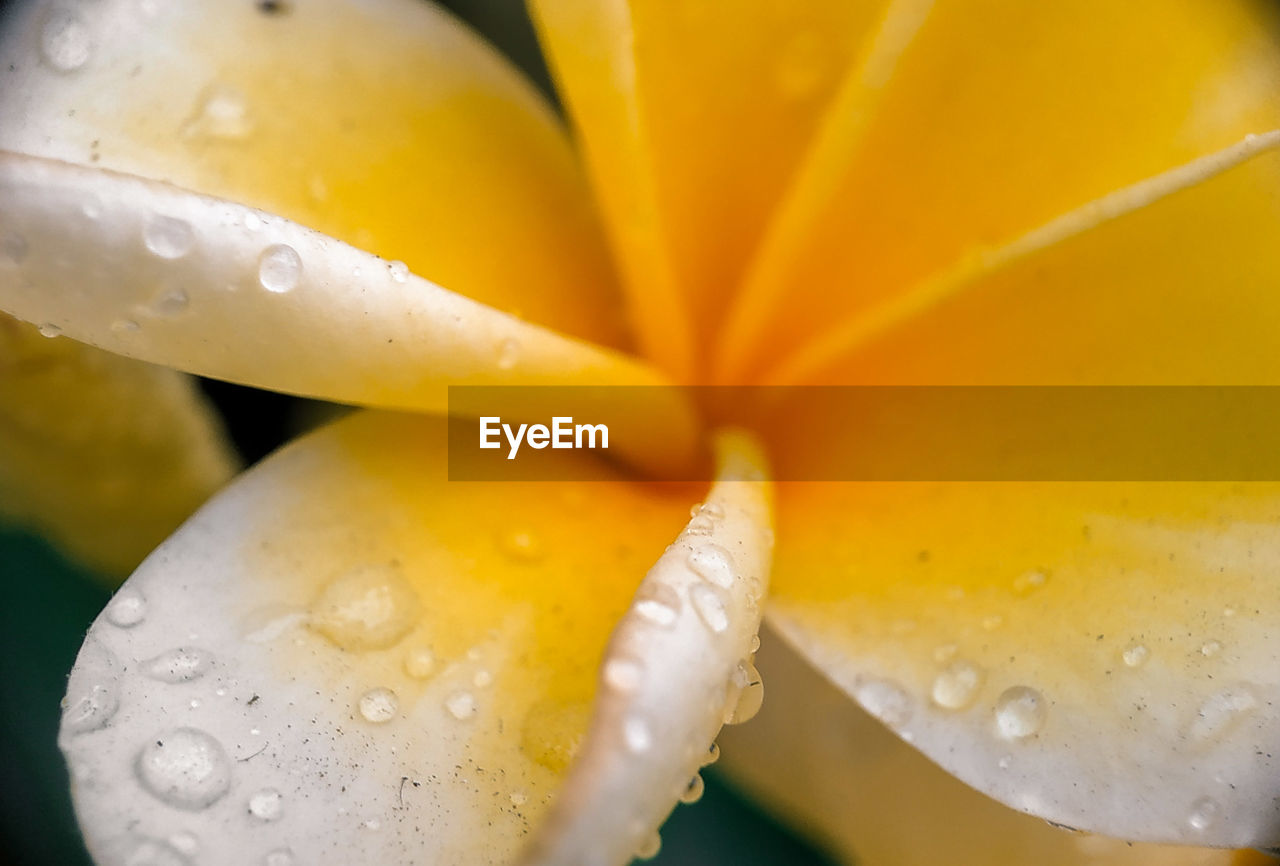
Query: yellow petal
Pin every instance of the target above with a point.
(387, 124)
(1100, 655)
(693, 118)
(220, 289)
(1169, 281)
(103, 455)
(344, 649)
(841, 776)
(1000, 116)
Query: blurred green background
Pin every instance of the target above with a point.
(51, 602)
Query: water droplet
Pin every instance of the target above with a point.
(885, 700)
(221, 113)
(127, 608)
(91, 710)
(13, 247)
(700, 525)
(461, 705)
(710, 509)
(185, 768)
(1210, 648)
(636, 734)
(1025, 584)
(508, 353)
(482, 679)
(659, 603)
(693, 793)
(945, 652)
(622, 675)
(279, 857)
(957, 685)
(279, 268)
(379, 705)
(153, 852)
(65, 44)
(185, 842)
(49, 329)
(420, 663)
(399, 271)
(649, 848)
(519, 798)
(372, 824)
(712, 563)
(552, 731)
(367, 608)
(252, 222)
(1204, 812)
(1135, 655)
(317, 189)
(178, 665)
(266, 805)
(1005, 762)
(710, 605)
(1020, 712)
(746, 692)
(168, 237)
(713, 755)
(171, 303)
(521, 545)
(993, 622)
(1220, 712)
(124, 326)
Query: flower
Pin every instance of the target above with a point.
(346, 657)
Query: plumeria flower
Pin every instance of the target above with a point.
(346, 658)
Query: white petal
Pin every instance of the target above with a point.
(679, 666)
(223, 290)
(350, 658)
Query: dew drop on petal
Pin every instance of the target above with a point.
(461, 705)
(1029, 582)
(187, 843)
(693, 793)
(171, 303)
(153, 852)
(957, 685)
(1020, 712)
(712, 563)
(1221, 712)
(168, 237)
(713, 755)
(708, 601)
(1135, 655)
(747, 692)
(127, 608)
(367, 608)
(649, 848)
(521, 545)
(65, 44)
(1204, 812)
(636, 735)
(885, 700)
(279, 268)
(1211, 648)
(221, 113)
(49, 329)
(178, 665)
(508, 353)
(700, 525)
(185, 768)
(279, 857)
(379, 705)
(399, 271)
(622, 675)
(659, 603)
(482, 680)
(266, 804)
(419, 663)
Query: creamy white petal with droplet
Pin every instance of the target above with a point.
(679, 666)
(260, 300)
(350, 658)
